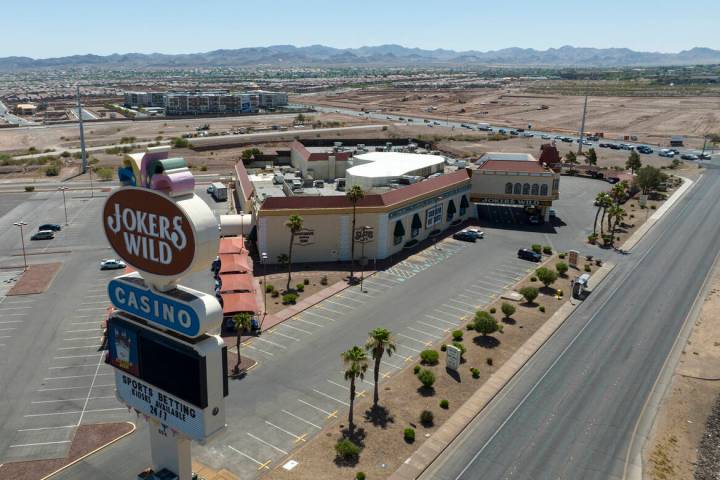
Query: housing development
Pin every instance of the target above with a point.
(362, 263)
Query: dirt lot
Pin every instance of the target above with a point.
(279, 281)
(403, 398)
(653, 120)
(671, 451)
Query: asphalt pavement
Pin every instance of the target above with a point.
(572, 411)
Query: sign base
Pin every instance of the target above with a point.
(170, 451)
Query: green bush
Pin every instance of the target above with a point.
(475, 372)
(443, 348)
(300, 287)
(533, 279)
(104, 173)
(360, 476)
(275, 294)
(485, 324)
(409, 435)
(489, 361)
(536, 247)
(52, 171)
(180, 143)
(561, 256)
(507, 309)
(444, 404)
(429, 357)
(460, 347)
(493, 310)
(289, 298)
(203, 168)
(470, 326)
(269, 288)
(29, 188)
(587, 268)
(323, 280)
(546, 276)
(530, 293)
(547, 250)
(457, 335)
(426, 418)
(347, 449)
(541, 308)
(561, 268)
(426, 377)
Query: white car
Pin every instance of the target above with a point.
(475, 231)
(111, 264)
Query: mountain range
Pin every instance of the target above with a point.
(382, 55)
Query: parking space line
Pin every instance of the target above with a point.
(479, 284)
(19, 302)
(458, 308)
(340, 385)
(332, 414)
(444, 330)
(421, 342)
(104, 295)
(45, 428)
(258, 349)
(423, 332)
(462, 303)
(2, 309)
(330, 397)
(275, 332)
(78, 376)
(336, 312)
(74, 366)
(294, 328)
(78, 348)
(267, 443)
(7, 329)
(448, 314)
(96, 337)
(85, 330)
(261, 464)
(72, 388)
(390, 364)
(298, 438)
(302, 419)
(261, 339)
(318, 315)
(97, 309)
(11, 321)
(308, 322)
(96, 303)
(89, 322)
(71, 400)
(441, 320)
(12, 315)
(348, 297)
(39, 444)
(406, 358)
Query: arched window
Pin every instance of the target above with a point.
(526, 189)
(518, 189)
(508, 187)
(543, 189)
(535, 189)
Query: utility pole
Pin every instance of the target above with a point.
(84, 161)
(62, 189)
(581, 137)
(21, 224)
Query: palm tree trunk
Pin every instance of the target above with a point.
(237, 346)
(351, 426)
(292, 238)
(602, 220)
(352, 246)
(610, 222)
(376, 377)
(597, 214)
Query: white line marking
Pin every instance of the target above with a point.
(72, 388)
(271, 343)
(244, 454)
(412, 329)
(45, 428)
(258, 349)
(78, 376)
(275, 332)
(313, 406)
(340, 385)
(96, 337)
(297, 437)
(441, 320)
(421, 342)
(457, 308)
(7, 329)
(72, 400)
(318, 315)
(409, 348)
(462, 303)
(330, 397)
(2, 309)
(444, 330)
(308, 322)
(12, 314)
(78, 348)
(266, 443)
(11, 321)
(39, 444)
(74, 366)
(294, 328)
(85, 330)
(96, 309)
(390, 364)
(338, 303)
(301, 419)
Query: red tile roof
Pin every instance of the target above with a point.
(512, 166)
(231, 245)
(234, 282)
(245, 183)
(233, 263)
(392, 197)
(239, 302)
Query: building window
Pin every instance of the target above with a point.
(556, 184)
(535, 189)
(508, 187)
(433, 216)
(415, 226)
(518, 189)
(399, 232)
(463, 205)
(543, 189)
(450, 210)
(526, 189)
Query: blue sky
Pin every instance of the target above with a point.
(49, 28)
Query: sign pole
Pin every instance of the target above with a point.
(170, 451)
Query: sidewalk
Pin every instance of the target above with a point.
(429, 451)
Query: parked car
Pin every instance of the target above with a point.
(513, 132)
(526, 254)
(545, 137)
(704, 156)
(613, 146)
(567, 139)
(50, 226)
(644, 149)
(689, 156)
(502, 131)
(43, 235)
(604, 145)
(465, 236)
(527, 134)
(475, 231)
(552, 212)
(112, 264)
(666, 153)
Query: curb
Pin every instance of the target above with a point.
(134, 427)
(415, 465)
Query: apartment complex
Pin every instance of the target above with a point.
(206, 102)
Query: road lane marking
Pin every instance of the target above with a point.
(267, 443)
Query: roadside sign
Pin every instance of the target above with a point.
(573, 257)
(643, 200)
(364, 235)
(305, 236)
(453, 357)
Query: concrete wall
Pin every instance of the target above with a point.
(493, 185)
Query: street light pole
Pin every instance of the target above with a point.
(21, 224)
(62, 189)
(363, 262)
(263, 259)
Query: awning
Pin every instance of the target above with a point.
(416, 222)
(399, 229)
(236, 282)
(231, 245)
(234, 263)
(464, 202)
(239, 302)
(451, 208)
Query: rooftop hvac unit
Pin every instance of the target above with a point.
(337, 144)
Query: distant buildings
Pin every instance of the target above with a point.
(207, 102)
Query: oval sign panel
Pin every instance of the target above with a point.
(149, 231)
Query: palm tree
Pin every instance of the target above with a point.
(617, 213)
(295, 224)
(356, 364)
(379, 343)
(602, 200)
(242, 321)
(354, 195)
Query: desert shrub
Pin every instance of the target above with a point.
(429, 357)
(275, 294)
(104, 173)
(507, 309)
(587, 268)
(427, 417)
(444, 404)
(493, 310)
(443, 348)
(486, 324)
(360, 476)
(547, 250)
(530, 293)
(489, 361)
(29, 188)
(533, 279)
(300, 287)
(347, 449)
(561, 268)
(536, 247)
(561, 256)
(546, 276)
(52, 171)
(470, 326)
(475, 372)
(323, 280)
(306, 281)
(203, 168)
(460, 347)
(416, 369)
(426, 377)
(409, 435)
(269, 288)
(457, 335)
(289, 298)
(180, 143)
(542, 308)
